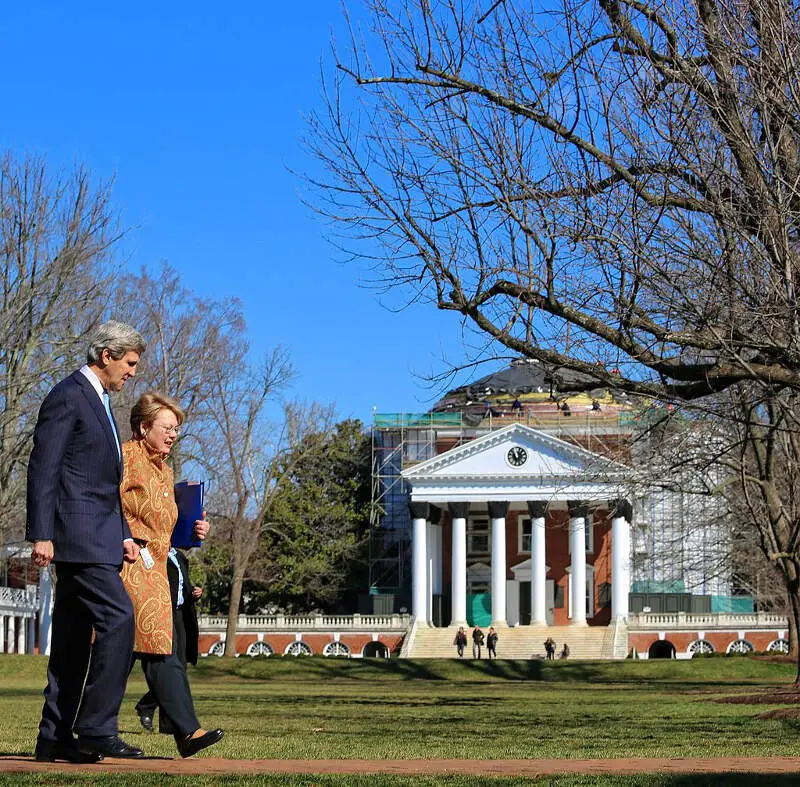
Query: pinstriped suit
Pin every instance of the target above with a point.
(73, 500)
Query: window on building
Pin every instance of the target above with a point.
(336, 649)
(298, 648)
(701, 647)
(604, 595)
(478, 536)
(259, 649)
(740, 646)
(524, 540)
(589, 599)
(778, 646)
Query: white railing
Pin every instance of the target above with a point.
(19, 600)
(706, 620)
(209, 623)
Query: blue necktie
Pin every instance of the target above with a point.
(107, 405)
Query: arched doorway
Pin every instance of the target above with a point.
(375, 650)
(661, 649)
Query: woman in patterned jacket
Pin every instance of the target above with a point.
(148, 499)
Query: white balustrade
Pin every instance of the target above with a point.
(19, 600)
(705, 620)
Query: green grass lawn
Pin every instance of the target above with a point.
(310, 708)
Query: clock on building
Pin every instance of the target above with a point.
(517, 456)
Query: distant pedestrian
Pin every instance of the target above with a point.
(565, 651)
(491, 643)
(550, 648)
(477, 642)
(461, 641)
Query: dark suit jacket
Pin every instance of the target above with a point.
(73, 477)
(188, 612)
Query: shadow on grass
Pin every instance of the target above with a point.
(683, 676)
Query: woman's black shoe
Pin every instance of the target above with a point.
(188, 746)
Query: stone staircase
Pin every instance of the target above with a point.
(524, 642)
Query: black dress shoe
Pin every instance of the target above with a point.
(108, 746)
(188, 746)
(146, 719)
(51, 751)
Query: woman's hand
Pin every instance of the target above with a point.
(201, 528)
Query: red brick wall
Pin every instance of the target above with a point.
(720, 640)
(316, 641)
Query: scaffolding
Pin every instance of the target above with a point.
(399, 440)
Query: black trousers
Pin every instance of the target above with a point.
(86, 681)
(168, 686)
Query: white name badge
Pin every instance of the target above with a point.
(147, 558)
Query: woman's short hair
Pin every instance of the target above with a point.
(148, 406)
(116, 337)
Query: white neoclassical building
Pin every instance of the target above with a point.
(536, 528)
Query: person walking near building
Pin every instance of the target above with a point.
(477, 642)
(491, 643)
(565, 651)
(550, 648)
(75, 520)
(461, 641)
(148, 500)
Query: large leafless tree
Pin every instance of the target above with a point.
(57, 231)
(192, 342)
(255, 442)
(607, 185)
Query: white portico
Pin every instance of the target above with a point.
(528, 473)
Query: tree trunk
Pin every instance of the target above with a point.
(794, 619)
(793, 628)
(233, 611)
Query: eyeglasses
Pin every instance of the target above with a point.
(169, 430)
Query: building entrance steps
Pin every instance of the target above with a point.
(522, 642)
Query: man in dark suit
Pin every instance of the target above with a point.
(75, 520)
(184, 615)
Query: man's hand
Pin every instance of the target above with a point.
(130, 551)
(197, 592)
(201, 528)
(42, 553)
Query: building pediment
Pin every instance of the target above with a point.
(515, 463)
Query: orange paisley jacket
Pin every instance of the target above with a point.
(148, 500)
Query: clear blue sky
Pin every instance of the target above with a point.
(196, 110)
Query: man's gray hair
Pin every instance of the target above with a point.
(116, 337)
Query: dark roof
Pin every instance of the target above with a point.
(522, 377)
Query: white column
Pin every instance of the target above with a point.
(3, 634)
(537, 511)
(622, 513)
(497, 515)
(12, 633)
(458, 568)
(577, 538)
(429, 572)
(21, 635)
(45, 611)
(434, 565)
(419, 562)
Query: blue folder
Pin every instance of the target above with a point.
(189, 497)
